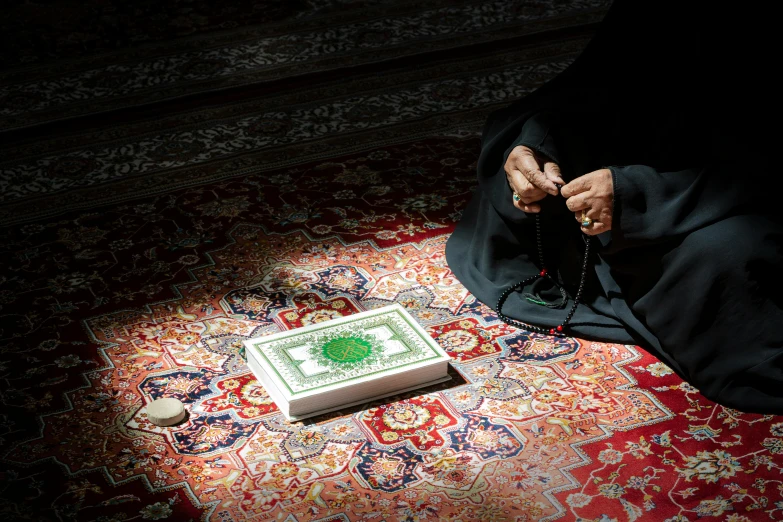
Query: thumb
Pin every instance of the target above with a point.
(529, 168)
(552, 171)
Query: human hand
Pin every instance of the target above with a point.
(532, 176)
(593, 193)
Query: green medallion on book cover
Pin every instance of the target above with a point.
(347, 349)
(341, 353)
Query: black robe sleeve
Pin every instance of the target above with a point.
(653, 206)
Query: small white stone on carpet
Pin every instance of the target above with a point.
(165, 412)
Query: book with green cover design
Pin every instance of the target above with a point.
(346, 361)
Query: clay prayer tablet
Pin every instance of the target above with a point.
(165, 412)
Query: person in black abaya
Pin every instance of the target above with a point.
(654, 147)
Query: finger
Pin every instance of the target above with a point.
(532, 196)
(528, 165)
(590, 212)
(516, 180)
(525, 190)
(552, 171)
(526, 204)
(576, 186)
(532, 208)
(595, 228)
(577, 203)
(539, 179)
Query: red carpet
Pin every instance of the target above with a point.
(105, 311)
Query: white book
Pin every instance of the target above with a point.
(346, 361)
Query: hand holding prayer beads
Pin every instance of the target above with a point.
(591, 197)
(531, 176)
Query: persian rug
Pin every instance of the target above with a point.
(146, 230)
(105, 311)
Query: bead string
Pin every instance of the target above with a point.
(559, 329)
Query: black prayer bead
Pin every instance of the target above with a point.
(525, 282)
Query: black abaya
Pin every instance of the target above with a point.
(690, 268)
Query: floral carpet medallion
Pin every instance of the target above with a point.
(110, 311)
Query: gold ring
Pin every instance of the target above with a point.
(586, 221)
(516, 197)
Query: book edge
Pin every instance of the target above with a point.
(277, 397)
(368, 399)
